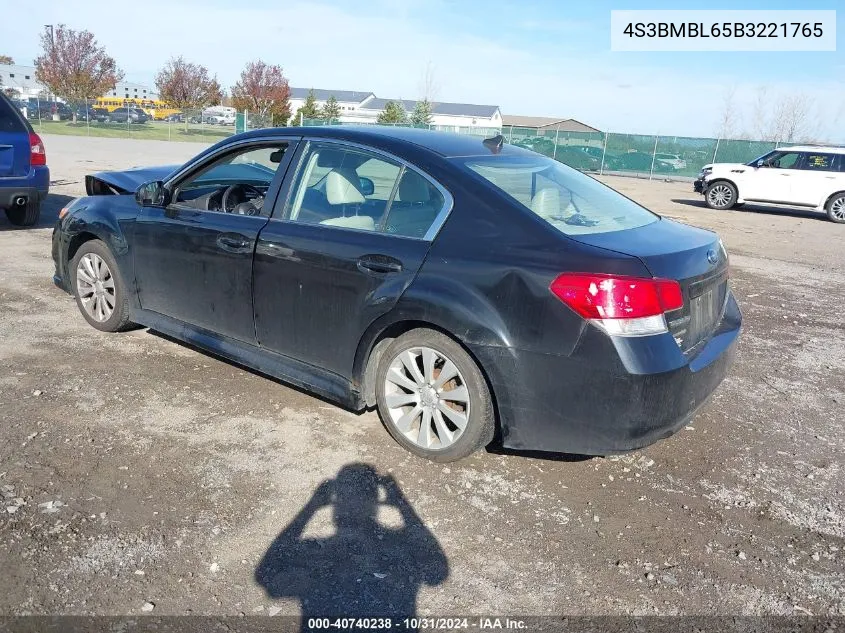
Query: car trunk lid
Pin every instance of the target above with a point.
(694, 257)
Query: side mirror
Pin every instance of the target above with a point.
(761, 163)
(152, 194)
(367, 186)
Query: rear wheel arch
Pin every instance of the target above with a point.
(378, 338)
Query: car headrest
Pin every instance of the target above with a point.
(364, 222)
(546, 202)
(332, 158)
(341, 189)
(414, 188)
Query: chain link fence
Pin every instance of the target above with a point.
(649, 156)
(88, 118)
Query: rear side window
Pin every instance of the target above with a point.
(415, 206)
(819, 162)
(570, 201)
(10, 119)
(350, 187)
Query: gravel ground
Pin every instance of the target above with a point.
(141, 476)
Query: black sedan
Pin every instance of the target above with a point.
(466, 288)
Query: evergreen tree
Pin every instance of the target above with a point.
(309, 110)
(394, 112)
(422, 113)
(331, 110)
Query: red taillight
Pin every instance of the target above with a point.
(624, 306)
(37, 154)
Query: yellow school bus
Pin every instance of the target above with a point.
(153, 107)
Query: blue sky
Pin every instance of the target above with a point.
(540, 57)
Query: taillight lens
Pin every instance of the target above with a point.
(37, 153)
(622, 306)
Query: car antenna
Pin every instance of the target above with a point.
(494, 144)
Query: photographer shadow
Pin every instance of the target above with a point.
(365, 569)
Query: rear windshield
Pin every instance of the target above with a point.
(570, 201)
(10, 118)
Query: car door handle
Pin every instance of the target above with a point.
(381, 264)
(229, 241)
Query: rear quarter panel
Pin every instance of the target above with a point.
(486, 278)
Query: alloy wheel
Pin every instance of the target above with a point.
(720, 196)
(427, 398)
(837, 209)
(95, 285)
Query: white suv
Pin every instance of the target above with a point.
(810, 177)
(671, 159)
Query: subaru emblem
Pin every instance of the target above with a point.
(712, 257)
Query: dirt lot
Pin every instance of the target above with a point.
(139, 475)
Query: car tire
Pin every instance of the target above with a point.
(836, 208)
(720, 195)
(26, 215)
(98, 265)
(410, 394)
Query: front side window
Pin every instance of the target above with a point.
(235, 183)
(570, 201)
(352, 188)
(819, 162)
(779, 160)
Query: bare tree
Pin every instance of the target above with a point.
(429, 87)
(760, 115)
(730, 115)
(792, 119)
(264, 90)
(73, 67)
(5, 60)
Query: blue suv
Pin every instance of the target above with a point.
(24, 176)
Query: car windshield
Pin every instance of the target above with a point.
(573, 203)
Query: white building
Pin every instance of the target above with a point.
(364, 108)
(131, 90)
(348, 100)
(21, 79)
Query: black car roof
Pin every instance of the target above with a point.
(444, 143)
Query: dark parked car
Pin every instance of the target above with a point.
(45, 110)
(99, 115)
(636, 161)
(134, 115)
(465, 287)
(24, 176)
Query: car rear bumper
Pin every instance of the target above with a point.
(34, 185)
(597, 401)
